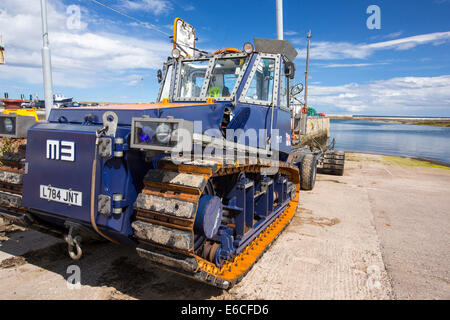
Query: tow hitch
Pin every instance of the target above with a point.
(74, 244)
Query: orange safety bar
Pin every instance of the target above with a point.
(228, 50)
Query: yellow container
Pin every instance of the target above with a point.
(22, 112)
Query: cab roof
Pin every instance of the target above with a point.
(283, 47)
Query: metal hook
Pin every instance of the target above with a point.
(74, 247)
(77, 253)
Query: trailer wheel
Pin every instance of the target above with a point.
(308, 170)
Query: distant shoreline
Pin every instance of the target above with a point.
(434, 163)
(437, 121)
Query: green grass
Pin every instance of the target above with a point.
(415, 162)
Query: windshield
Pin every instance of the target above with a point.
(221, 82)
(224, 77)
(191, 78)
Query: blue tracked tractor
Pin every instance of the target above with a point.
(200, 183)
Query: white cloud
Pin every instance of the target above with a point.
(324, 50)
(349, 65)
(387, 36)
(80, 58)
(133, 80)
(411, 42)
(156, 7)
(189, 7)
(392, 96)
(393, 35)
(290, 33)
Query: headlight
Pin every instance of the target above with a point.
(160, 134)
(8, 125)
(248, 48)
(163, 133)
(146, 134)
(176, 53)
(14, 125)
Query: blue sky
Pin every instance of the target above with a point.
(401, 69)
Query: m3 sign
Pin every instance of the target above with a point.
(61, 150)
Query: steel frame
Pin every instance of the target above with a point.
(203, 91)
(165, 68)
(244, 99)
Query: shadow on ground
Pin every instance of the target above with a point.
(105, 265)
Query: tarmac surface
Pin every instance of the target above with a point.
(381, 231)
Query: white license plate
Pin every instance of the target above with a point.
(69, 197)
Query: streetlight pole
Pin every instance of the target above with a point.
(279, 19)
(307, 69)
(46, 62)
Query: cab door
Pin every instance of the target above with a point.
(283, 120)
(260, 96)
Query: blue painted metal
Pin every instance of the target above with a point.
(209, 215)
(209, 114)
(58, 173)
(241, 203)
(225, 238)
(281, 188)
(240, 119)
(261, 225)
(264, 202)
(114, 176)
(252, 206)
(251, 202)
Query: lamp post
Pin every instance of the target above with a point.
(46, 62)
(307, 69)
(279, 19)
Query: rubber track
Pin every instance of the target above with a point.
(11, 165)
(230, 273)
(8, 186)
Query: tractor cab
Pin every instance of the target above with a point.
(252, 87)
(259, 74)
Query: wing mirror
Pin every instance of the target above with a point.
(159, 75)
(297, 89)
(289, 69)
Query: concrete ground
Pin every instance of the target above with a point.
(382, 231)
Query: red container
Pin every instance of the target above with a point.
(13, 103)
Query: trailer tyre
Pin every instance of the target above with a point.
(308, 171)
(334, 162)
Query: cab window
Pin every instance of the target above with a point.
(261, 86)
(283, 91)
(224, 77)
(192, 77)
(167, 81)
